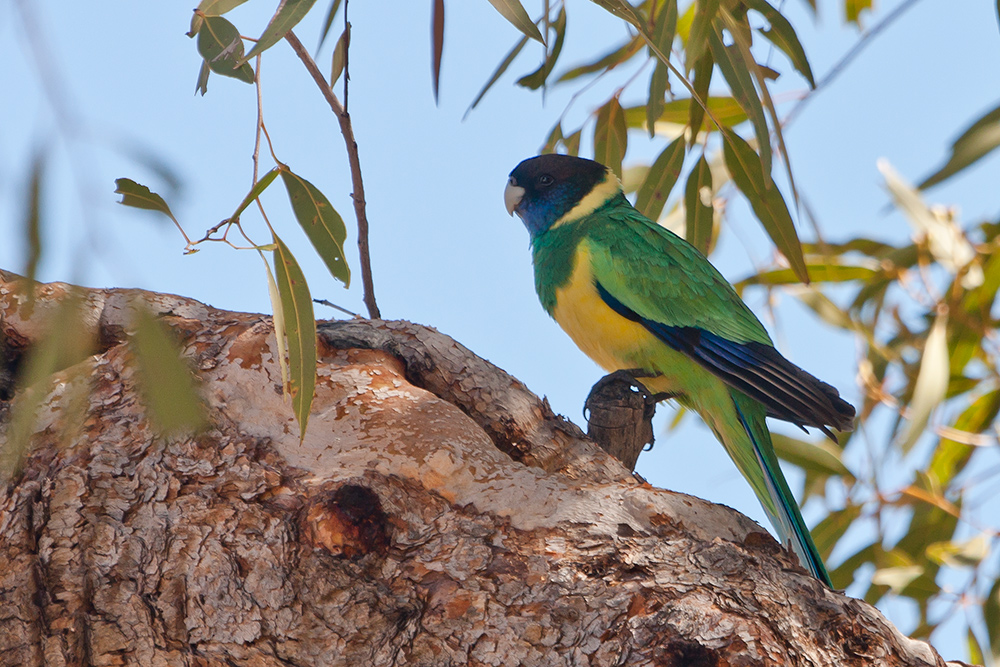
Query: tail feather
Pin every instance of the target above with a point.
(784, 515)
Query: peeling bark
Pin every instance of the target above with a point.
(436, 513)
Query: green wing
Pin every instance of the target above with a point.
(661, 277)
(652, 276)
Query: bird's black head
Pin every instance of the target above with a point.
(543, 190)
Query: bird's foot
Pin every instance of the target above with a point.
(632, 378)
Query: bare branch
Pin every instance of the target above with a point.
(352, 154)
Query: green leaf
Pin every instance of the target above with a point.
(286, 17)
(951, 456)
(220, 45)
(300, 329)
(327, 22)
(823, 457)
(977, 141)
(201, 85)
(210, 8)
(959, 554)
(698, 203)
(678, 112)
(663, 37)
(701, 30)
(572, 142)
(139, 196)
(740, 29)
(33, 227)
(975, 650)
(703, 70)
(277, 318)
(608, 61)
(536, 79)
(768, 205)
(945, 239)
(826, 272)
(843, 574)
(437, 44)
(514, 12)
(498, 72)
(660, 180)
(611, 136)
(934, 520)
(828, 532)
(165, 382)
(897, 578)
(257, 189)
(991, 614)
(339, 57)
(740, 82)
(783, 36)
(67, 338)
(322, 224)
(853, 9)
(553, 140)
(621, 9)
(931, 384)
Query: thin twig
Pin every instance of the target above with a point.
(347, 57)
(352, 155)
(853, 53)
(324, 302)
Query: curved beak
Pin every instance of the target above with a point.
(512, 195)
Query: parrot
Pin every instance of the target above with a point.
(640, 300)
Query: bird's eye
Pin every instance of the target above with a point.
(545, 180)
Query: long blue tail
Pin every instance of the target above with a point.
(785, 517)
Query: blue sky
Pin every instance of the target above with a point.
(444, 251)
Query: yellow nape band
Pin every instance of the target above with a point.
(601, 193)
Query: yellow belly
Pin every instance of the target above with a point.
(605, 336)
(611, 340)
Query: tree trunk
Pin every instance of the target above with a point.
(436, 513)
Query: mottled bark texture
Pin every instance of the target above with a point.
(437, 513)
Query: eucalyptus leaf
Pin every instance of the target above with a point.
(991, 614)
(976, 142)
(498, 72)
(331, 13)
(536, 79)
(698, 205)
(513, 11)
(828, 532)
(734, 71)
(137, 195)
(610, 136)
(783, 36)
(300, 332)
(165, 381)
(701, 29)
(286, 16)
(931, 385)
(608, 61)
(823, 457)
(211, 8)
(257, 189)
(437, 45)
(769, 206)
(659, 82)
(660, 180)
(320, 221)
(221, 46)
(339, 57)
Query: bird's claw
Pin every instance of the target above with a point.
(631, 377)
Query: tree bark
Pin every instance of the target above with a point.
(436, 513)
